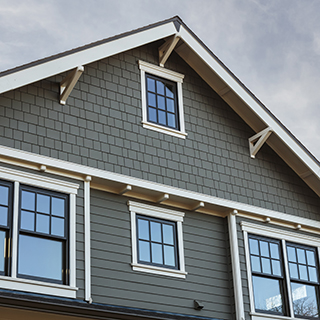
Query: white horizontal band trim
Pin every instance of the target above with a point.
(156, 212)
(279, 234)
(37, 287)
(144, 184)
(156, 127)
(38, 181)
(161, 71)
(263, 316)
(159, 270)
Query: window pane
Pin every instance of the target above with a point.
(161, 103)
(27, 220)
(144, 251)
(167, 234)
(160, 87)
(301, 256)
(313, 274)
(152, 114)
(276, 268)
(3, 216)
(170, 105)
(143, 229)
(43, 223)
(157, 253)
(4, 195)
(266, 267)
(264, 248)
(57, 227)
(291, 254)
(254, 249)
(40, 257)
(255, 264)
(293, 270)
(274, 248)
(162, 117)
(311, 258)
(169, 91)
(303, 272)
(43, 203)
(267, 296)
(28, 200)
(156, 231)
(304, 300)
(171, 120)
(169, 256)
(151, 99)
(57, 207)
(2, 250)
(151, 85)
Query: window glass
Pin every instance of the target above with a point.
(27, 220)
(28, 200)
(4, 195)
(58, 207)
(2, 250)
(43, 203)
(3, 216)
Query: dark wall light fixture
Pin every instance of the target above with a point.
(198, 305)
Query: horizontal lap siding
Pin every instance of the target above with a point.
(114, 282)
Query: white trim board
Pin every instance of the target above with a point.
(83, 171)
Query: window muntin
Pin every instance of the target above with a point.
(267, 274)
(43, 240)
(5, 225)
(156, 242)
(162, 102)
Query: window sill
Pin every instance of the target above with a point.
(33, 286)
(263, 316)
(156, 127)
(159, 270)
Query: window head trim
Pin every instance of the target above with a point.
(167, 75)
(137, 208)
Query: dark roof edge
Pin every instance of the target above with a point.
(250, 93)
(66, 306)
(176, 20)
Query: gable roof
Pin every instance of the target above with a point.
(204, 62)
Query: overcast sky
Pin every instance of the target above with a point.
(272, 46)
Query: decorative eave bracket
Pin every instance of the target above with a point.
(68, 83)
(257, 141)
(166, 49)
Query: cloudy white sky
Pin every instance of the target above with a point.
(273, 46)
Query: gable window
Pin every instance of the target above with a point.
(37, 234)
(157, 242)
(283, 273)
(161, 95)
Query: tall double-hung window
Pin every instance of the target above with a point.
(37, 233)
(283, 273)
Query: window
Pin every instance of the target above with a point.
(162, 106)
(37, 234)
(283, 273)
(157, 242)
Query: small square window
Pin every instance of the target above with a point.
(161, 94)
(157, 242)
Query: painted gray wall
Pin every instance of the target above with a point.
(206, 258)
(101, 127)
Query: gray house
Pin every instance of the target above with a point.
(140, 179)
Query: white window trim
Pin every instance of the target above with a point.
(14, 283)
(161, 213)
(284, 236)
(166, 74)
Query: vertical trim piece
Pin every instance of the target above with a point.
(238, 296)
(180, 246)
(87, 246)
(14, 244)
(134, 237)
(72, 239)
(287, 277)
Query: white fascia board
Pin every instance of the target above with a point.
(248, 99)
(135, 182)
(56, 66)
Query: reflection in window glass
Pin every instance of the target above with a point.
(40, 257)
(304, 300)
(267, 295)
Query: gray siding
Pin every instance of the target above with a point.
(206, 257)
(101, 127)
